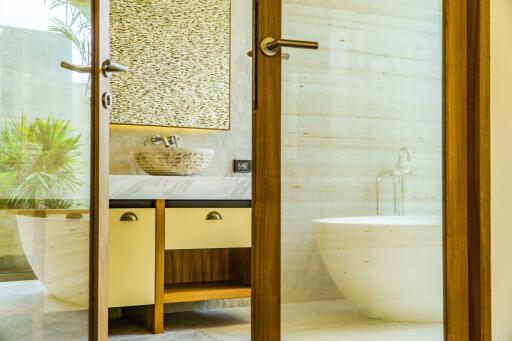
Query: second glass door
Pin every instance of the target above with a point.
(45, 158)
(362, 156)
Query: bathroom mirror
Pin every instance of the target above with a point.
(178, 55)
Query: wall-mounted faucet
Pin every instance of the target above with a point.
(171, 141)
(174, 140)
(157, 139)
(399, 175)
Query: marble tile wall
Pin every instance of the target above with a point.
(373, 87)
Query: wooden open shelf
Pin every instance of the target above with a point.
(204, 291)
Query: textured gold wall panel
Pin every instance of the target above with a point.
(178, 53)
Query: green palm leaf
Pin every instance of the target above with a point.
(42, 160)
(76, 26)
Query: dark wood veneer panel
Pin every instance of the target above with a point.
(266, 183)
(208, 265)
(132, 203)
(479, 170)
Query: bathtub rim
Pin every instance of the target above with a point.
(385, 222)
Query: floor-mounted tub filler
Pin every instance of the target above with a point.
(389, 267)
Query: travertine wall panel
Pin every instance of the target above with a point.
(178, 53)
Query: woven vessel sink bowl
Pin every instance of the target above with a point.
(173, 161)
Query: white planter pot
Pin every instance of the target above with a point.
(58, 252)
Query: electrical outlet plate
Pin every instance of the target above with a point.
(242, 166)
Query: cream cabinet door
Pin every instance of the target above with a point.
(205, 228)
(131, 257)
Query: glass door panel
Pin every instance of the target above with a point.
(45, 132)
(362, 171)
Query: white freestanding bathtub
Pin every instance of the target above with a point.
(57, 249)
(390, 267)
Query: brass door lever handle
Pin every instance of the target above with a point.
(270, 46)
(76, 68)
(109, 67)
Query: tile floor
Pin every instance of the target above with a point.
(24, 312)
(322, 321)
(28, 313)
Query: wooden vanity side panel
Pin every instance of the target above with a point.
(132, 258)
(240, 265)
(158, 308)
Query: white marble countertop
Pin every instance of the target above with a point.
(179, 187)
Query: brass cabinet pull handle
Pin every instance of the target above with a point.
(214, 215)
(74, 215)
(76, 68)
(109, 67)
(270, 46)
(129, 216)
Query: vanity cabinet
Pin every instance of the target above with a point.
(173, 251)
(131, 257)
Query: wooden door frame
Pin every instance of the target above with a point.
(100, 122)
(479, 170)
(466, 177)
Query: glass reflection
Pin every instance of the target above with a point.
(44, 169)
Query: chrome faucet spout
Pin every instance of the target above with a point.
(157, 139)
(167, 144)
(174, 141)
